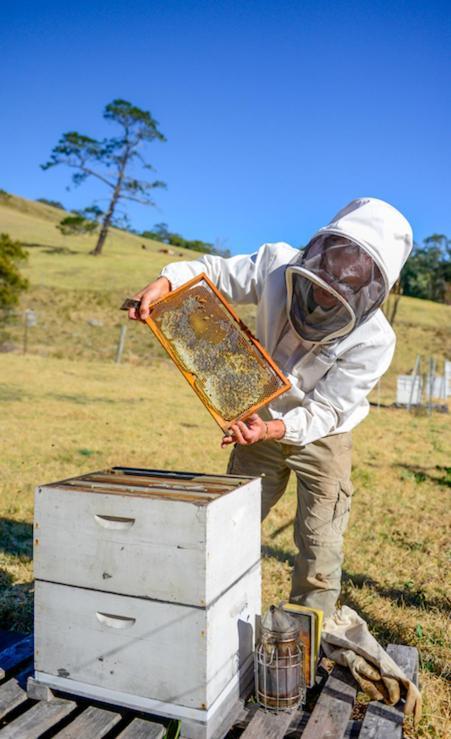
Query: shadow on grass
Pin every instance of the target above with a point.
(423, 474)
(88, 399)
(16, 604)
(9, 393)
(59, 250)
(282, 528)
(16, 538)
(16, 599)
(49, 249)
(280, 554)
(405, 597)
(394, 631)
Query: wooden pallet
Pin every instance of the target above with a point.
(70, 717)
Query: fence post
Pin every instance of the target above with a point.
(431, 382)
(120, 344)
(412, 387)
(30, 319)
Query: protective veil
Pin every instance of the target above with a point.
(332, 288)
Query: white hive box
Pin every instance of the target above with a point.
(409, 389)
(148, 589)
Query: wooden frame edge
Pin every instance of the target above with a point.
(190, 378)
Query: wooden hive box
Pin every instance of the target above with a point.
(148, 589)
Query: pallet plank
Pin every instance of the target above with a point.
(38, 719)
(15, 654)
(93, 723)
(385, 722)
(140, 728)
(268, 725)
(406, 658)
(330, 716)
(12, 693)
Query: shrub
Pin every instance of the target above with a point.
(11, 281)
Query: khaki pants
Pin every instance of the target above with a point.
(324, 490)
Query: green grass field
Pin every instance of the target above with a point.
(67, 408)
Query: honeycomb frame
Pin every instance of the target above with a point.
(248, 341)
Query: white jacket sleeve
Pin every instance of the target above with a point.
(338, 394)
(240, 278)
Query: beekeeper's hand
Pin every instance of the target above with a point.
(149, 294)
(252, 430)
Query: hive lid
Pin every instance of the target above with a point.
(190, 487)
(217, 354)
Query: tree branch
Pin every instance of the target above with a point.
(134, 199)
(89, 172)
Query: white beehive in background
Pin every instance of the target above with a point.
(148, 589)
(448, 378)
(409, 389)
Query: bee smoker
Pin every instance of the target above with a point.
(279, 661)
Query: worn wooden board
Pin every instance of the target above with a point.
(333, 708)
(38, 719)
(13, 693)
(142, 729)
(407, 659)
(385, 722)
(15, 654)
(268, 725)
(94, 723)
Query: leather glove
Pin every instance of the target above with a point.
(372, 683)
(347, 640)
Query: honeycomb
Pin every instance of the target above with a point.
(229, 370)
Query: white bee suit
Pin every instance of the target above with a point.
(330, 378)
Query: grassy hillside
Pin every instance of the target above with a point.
(72, 290)
(59, 262)
(67, 408)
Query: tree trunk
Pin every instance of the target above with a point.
(110, 212)
(105, 226)
(391, 305)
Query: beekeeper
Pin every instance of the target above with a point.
(318, 315)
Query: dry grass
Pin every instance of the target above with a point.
(58, 261)
(66, 409)
(62, 418)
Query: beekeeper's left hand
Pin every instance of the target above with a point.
(252, 430)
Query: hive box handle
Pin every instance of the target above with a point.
(114, 522)
(115, 622)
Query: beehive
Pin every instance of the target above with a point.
(224, 363)
(147, 590)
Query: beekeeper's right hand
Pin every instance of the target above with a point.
(149, 294)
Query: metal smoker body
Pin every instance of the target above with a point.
(279, 668)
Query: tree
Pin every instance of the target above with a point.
(11, 281)
(84, 221)
(428, 269)
(111, 160)
(53, 203)
(391, 304)
(159, 233)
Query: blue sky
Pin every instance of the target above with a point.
(276, 113)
